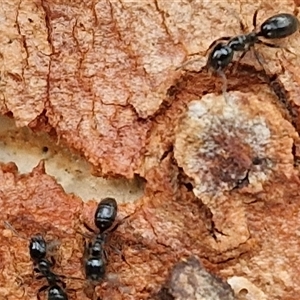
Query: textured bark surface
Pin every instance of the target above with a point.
(97, 70)
(222, 171)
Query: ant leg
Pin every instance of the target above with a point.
(243, 27)
(52, 245)
(53, 261)
(254, 20)
(36, 270)
(215, 42)
(224, 79)
(71, 290)
(88, 227)
(237, 15)
(275, 46)
(120, 253)
(39, 277)
(259, 59)
(224, 85)
(73, 278)
(105, 255)
(86, 249)
(43, 288)
(236, 64)
(85, 235)
(115, 227)
(269, 44)
(119, 223)
(242, 56)
(63, 284)
(58, 280)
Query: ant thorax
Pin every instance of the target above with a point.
(242, 42)
(97, 246)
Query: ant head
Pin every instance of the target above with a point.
(37, 247)
(220, 57)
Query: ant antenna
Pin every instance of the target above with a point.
(120, 222)
(260, 59)
(9, 226)
(187, 63)
(237, 16)
(119, 252)
(85, 235)
(50, 245)
(67, 277)
(224, 85)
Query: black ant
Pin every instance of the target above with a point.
(55, 291)
(38, 250)
(276, 27)
(95, 254)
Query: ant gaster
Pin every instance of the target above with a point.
(278, 26)
(106, 213)
(95, 254)
(38, 252)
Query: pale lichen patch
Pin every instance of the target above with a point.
(221, 142)
(231, 148)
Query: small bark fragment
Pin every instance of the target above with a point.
(190, 280)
